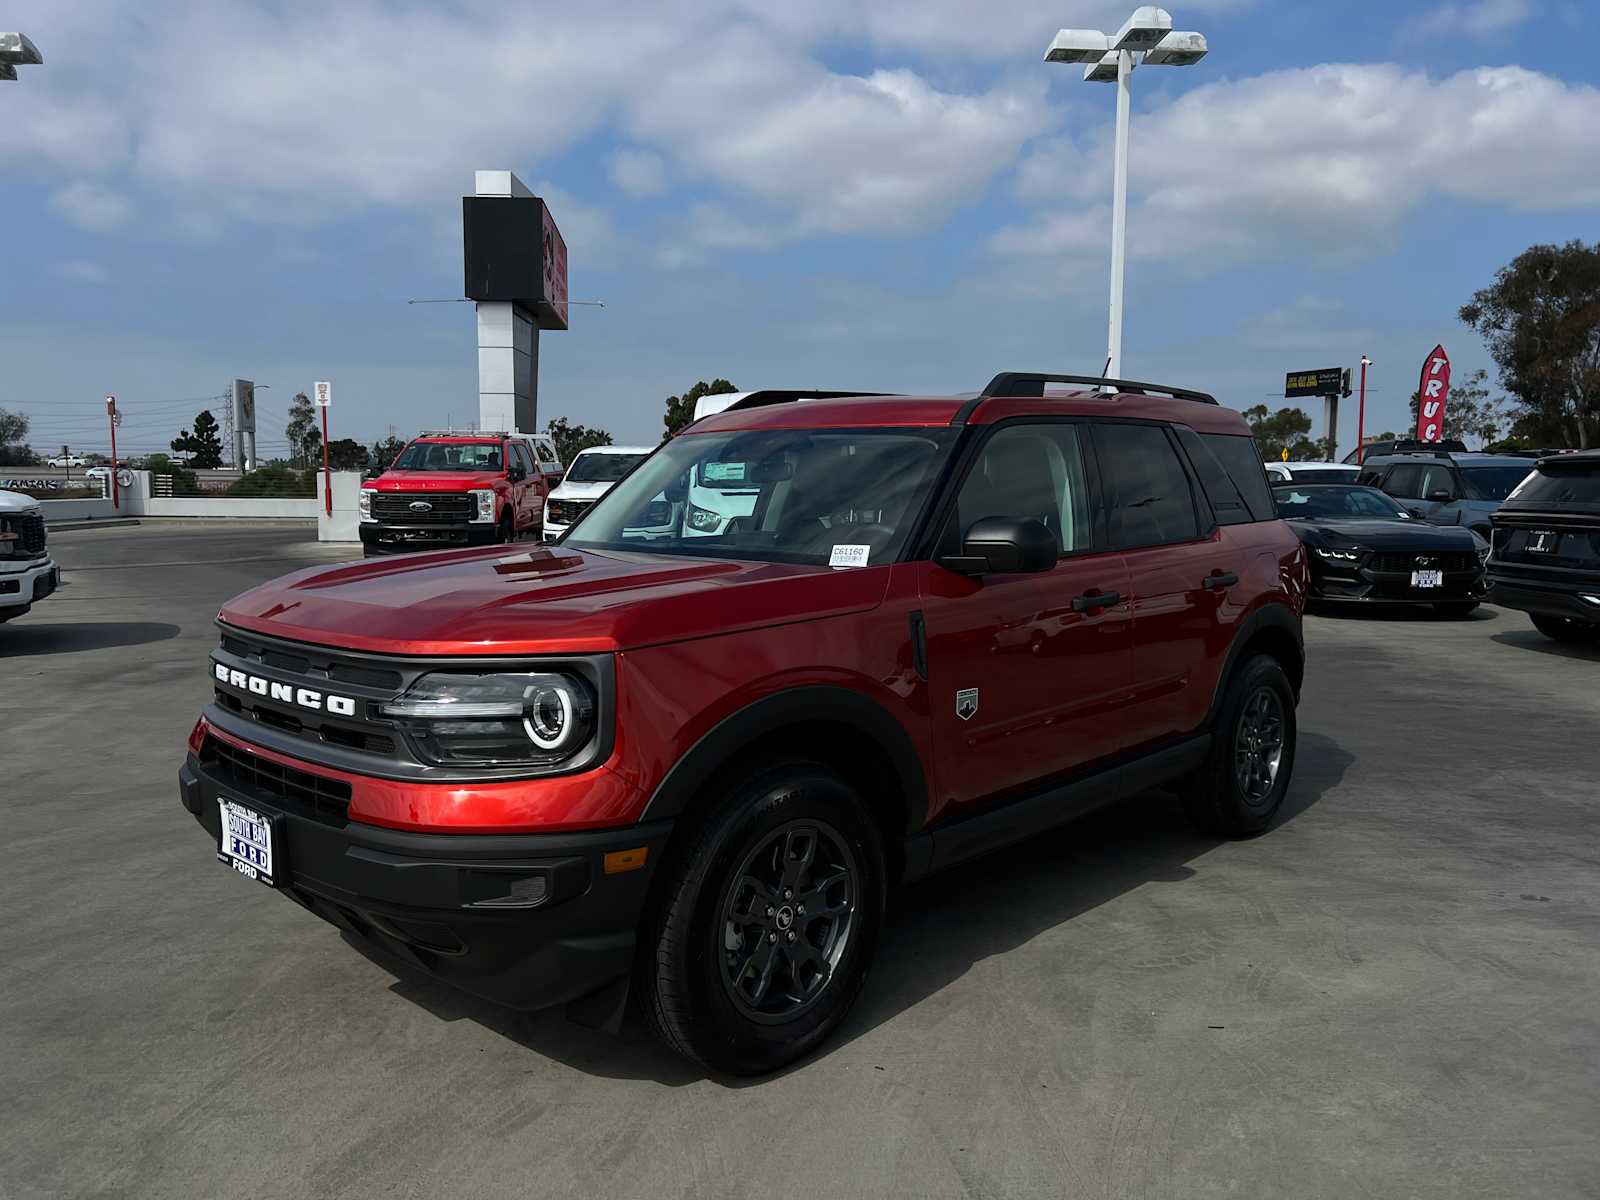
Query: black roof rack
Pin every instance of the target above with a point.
(1027, 383)
(783, 396)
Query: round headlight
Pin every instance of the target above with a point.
(500, 719)
(548, 716)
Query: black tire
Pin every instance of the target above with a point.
(1455, 608)
(710, 927)
(1567, 629)
(507, 532)
(1215, 797)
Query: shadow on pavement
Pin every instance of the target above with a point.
(1532, 639)
(1399, 612)
(936, 930)
(23, 638)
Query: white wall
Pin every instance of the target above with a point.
(344, 525)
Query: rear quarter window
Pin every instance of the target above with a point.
(1239, 457)
(1226, 502)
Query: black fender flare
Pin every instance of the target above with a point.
(793, 706)
(1274, 615)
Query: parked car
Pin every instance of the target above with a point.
(1445, 487)
(454, 489)
(589, 476)
(1546, 558)
(1311, 472)
(27, 572)
(693, 766)
(67, 460)
(1362, 545)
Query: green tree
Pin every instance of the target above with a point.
(1540, 319)
(14, 450)
(385, 452)
(680, 409)
(1287, 429)
(571, 439)
(305, 440)
(204, 445)
(347, 454)
(1469, 411)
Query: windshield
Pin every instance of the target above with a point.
(1492, 483)
(818, 496)
(1333, 502)
(449, 456)
(600, 467)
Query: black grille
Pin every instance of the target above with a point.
(29, 528)
(565, 512)
(1448, 561)
(315, 796)
(335, 735)
(444, 508)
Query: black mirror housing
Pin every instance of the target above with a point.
(1005, 546)
(1440, 497)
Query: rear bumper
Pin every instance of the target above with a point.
(21, 589)
(1547, 598)
(526, 920)
(401, 538)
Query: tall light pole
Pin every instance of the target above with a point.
(1361, 413)
(16, 51)
(1146, 37)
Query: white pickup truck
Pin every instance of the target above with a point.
(27, 573)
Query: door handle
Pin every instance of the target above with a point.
(1225, 579)
(1093, 600)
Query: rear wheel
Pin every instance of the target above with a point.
(768, 921)
(1567, 629)
(1458, 608)
(1241, 786)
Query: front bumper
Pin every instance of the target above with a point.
(526, 920)
(23, 588)
(1548, 598)
(398, 539)
(1392, 587)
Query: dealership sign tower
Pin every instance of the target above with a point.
(516, 270)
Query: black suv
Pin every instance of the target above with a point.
(1546, 556)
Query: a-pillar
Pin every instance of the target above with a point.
(508, 344)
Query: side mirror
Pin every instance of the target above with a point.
(515, 473)
(1004, 546)
(1415, 512)
(1440, 497)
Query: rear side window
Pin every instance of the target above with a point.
(1226, 503)
(1147, 494)
(1242, 462)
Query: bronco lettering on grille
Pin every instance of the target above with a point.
(339, 706)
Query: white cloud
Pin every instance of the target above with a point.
(81, 270)
(1482, 19)
(638, 172)
(1323, 162)
(92, 206)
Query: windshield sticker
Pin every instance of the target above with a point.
(849, 556)
(722, 472)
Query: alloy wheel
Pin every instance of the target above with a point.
(1258, 745)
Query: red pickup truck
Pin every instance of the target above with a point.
(692, 764)
(459, 489)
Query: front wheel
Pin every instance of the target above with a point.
(1566, 629)
(507, 532)
(1241, 785)
(768, 920)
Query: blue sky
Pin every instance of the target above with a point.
(897, 195)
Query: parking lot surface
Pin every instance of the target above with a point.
(1391, 993)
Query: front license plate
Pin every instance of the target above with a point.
(246, 841)
(1427, 579)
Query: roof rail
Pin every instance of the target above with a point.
(784, 396)
(483, 433)
(1028, 383)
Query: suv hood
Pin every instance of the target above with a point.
(434, 481)
(16, 502)
(547, 600)
(582, 491)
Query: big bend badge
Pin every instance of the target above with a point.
(967, 703)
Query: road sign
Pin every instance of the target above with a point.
(322, 393)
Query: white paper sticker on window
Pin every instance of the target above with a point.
(849, 556)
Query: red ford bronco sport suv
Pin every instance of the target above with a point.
(692, 765)
(456, 489)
